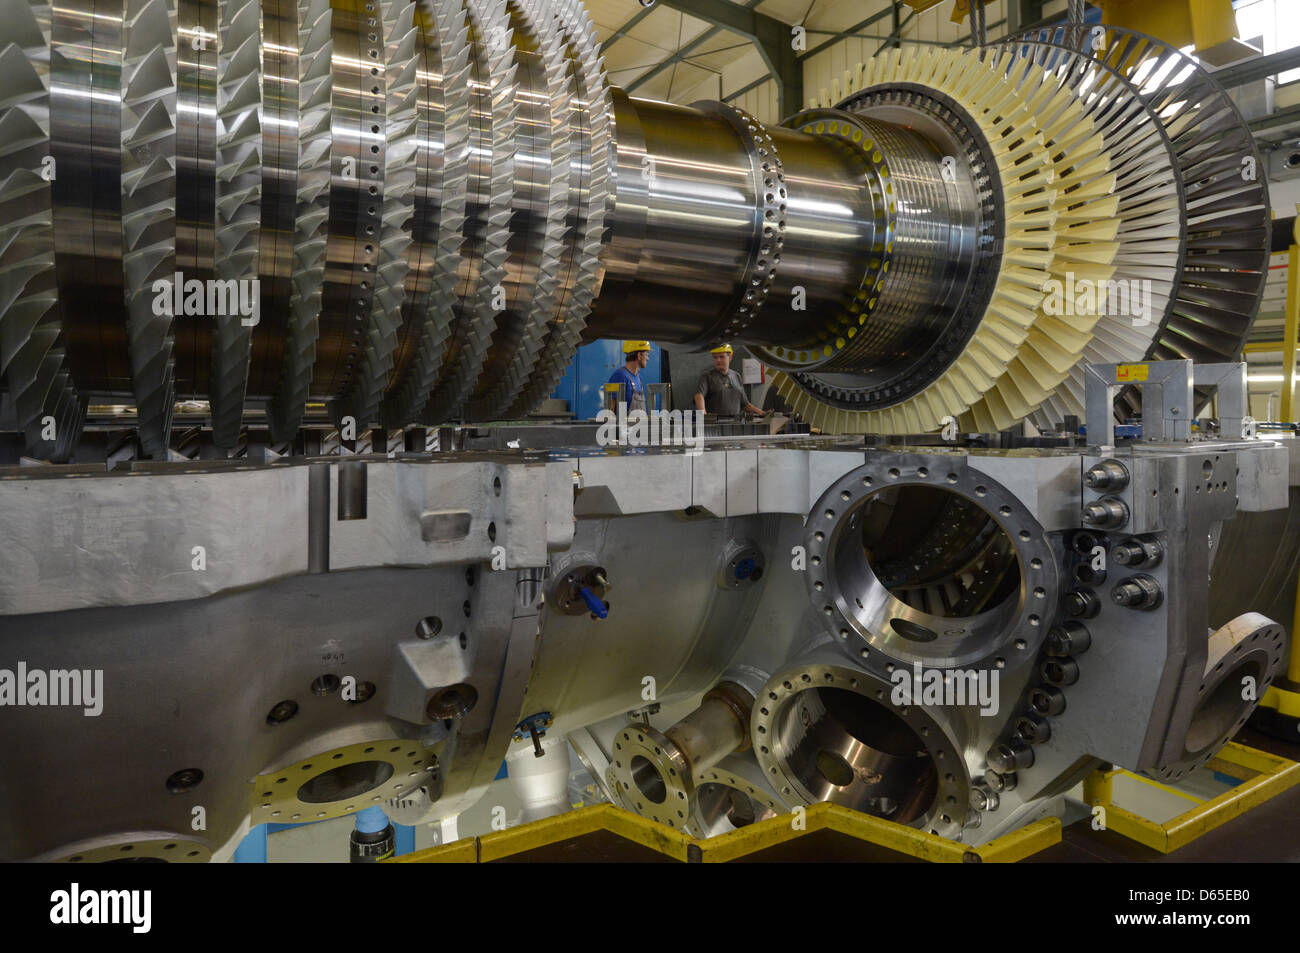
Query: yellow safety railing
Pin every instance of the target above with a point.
(742, 843)
(1269, 775)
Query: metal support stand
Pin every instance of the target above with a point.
(1168, 398)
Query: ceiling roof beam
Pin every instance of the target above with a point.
(623, 30)
(677, 57)
(1257, 68)
(836, 37)
(769, 35)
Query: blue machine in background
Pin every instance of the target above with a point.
(583, 383)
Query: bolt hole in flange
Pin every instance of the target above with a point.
(325, 685)
(157, 850)
(941, 574)
(281, 712)
(185, 780)
(454, 702)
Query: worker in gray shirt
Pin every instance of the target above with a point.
(720, 391)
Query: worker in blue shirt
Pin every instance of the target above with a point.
(636, 355)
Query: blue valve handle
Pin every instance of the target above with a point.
(593, 603)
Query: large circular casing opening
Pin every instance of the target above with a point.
(823, 732)
(933, 563)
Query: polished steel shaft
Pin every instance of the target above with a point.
(689, 217)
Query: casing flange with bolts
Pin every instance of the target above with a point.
(1137, 592)
(877, 628)
(1110, 512)
(1047, 700)
(1138, 552)
(656, 772)
(1106, 476)
(1068, 638)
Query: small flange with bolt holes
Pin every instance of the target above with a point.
(652, 776)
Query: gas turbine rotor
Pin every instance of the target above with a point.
(1154, 245)
(439, 200)
(1046, 160)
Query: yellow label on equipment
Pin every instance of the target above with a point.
(1125, 373)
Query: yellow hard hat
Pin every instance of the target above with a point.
(631, 347)
(722, 349)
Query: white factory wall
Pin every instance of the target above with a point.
(760, 102)
(1283, 196)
